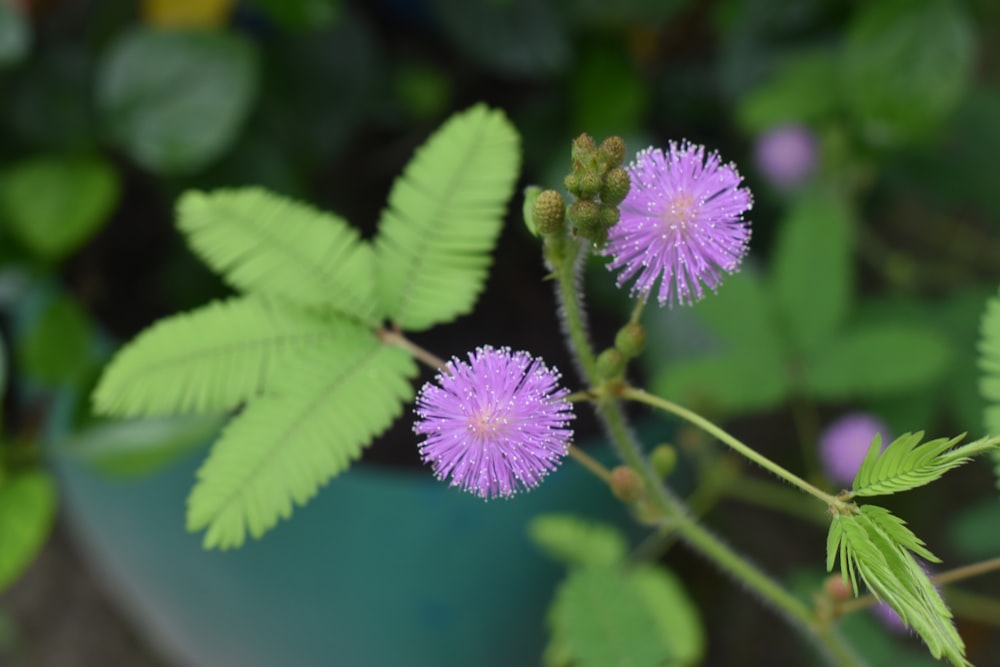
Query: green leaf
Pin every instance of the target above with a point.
(54, 204)
(742, 314)
(989, 364)
(285, 445)
(604, 620)
(139, 446)
(905, 464)
(211, 359)
(877, 360)
(176, 99)
(521, 38)
(878, 548)
(577, 541)
(731, 384)
(57, 347)
(15, 34)
(609, 94)
(302, 14)
(906, 66)
(973, 534)
(445, 213)
(274, 246)
(812, 282)
(800, 93)
(27, 510)
(676, 616)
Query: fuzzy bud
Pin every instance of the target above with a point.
(549, 212)
(590, 185)
(572, 183)
(583, 148)
(584, 215)
(836, 588)
(630, 339)
(610, 363)
(626, 484)
(663, 459)
(613, 151)
(616, 186)
(609, 216)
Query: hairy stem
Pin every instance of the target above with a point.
(739, 447)
(673, 510)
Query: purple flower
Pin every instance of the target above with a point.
(888, 617)
(844, 443)
(681, 223)
(495, 425)
(786, 155)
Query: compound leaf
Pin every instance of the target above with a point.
(270, 245)
(285, 445)
(210, 359)
(906, 464)
(444, 216)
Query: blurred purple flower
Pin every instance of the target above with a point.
(786, 155)
(888, 617)
(844, 443)
(681, 223)
(495, 425)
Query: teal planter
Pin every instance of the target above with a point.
(383, 568)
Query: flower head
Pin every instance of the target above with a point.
(681, 223)
(786, 155)
(845, 442)
(495, 425)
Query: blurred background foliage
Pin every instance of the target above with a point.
(868, 131)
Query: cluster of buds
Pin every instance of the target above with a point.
(629, 342)
(598, 183)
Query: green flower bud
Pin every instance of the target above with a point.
(616, 186)
(549, 212)
(664, 459)
(609, 216)
(613, 151)
(630, 339)
(626, 484)
(590, 185)
(585, 215)
(583, 149)
(572, 183)
(610, 363)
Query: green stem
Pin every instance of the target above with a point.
(672, 508)
(631, 393)
(770, 495)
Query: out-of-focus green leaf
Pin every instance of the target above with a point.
(27, 509)
(609, 94)
(57, 347)
(423, 90)
(812, 274)
(138, 446)
(604, 620)
(677, 619)
(515, 37)
(876, 360)
(176, 99)
(728, 383)
(15, 34)
(800, 93)
(973, 533)
(54, 204)
(906, 66)
(577, 541)
(742, 314)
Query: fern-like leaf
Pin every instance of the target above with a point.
(907, 464)
(210, 359)
(284, 446)
(266, 244)
(444, 216)
(877, 548)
